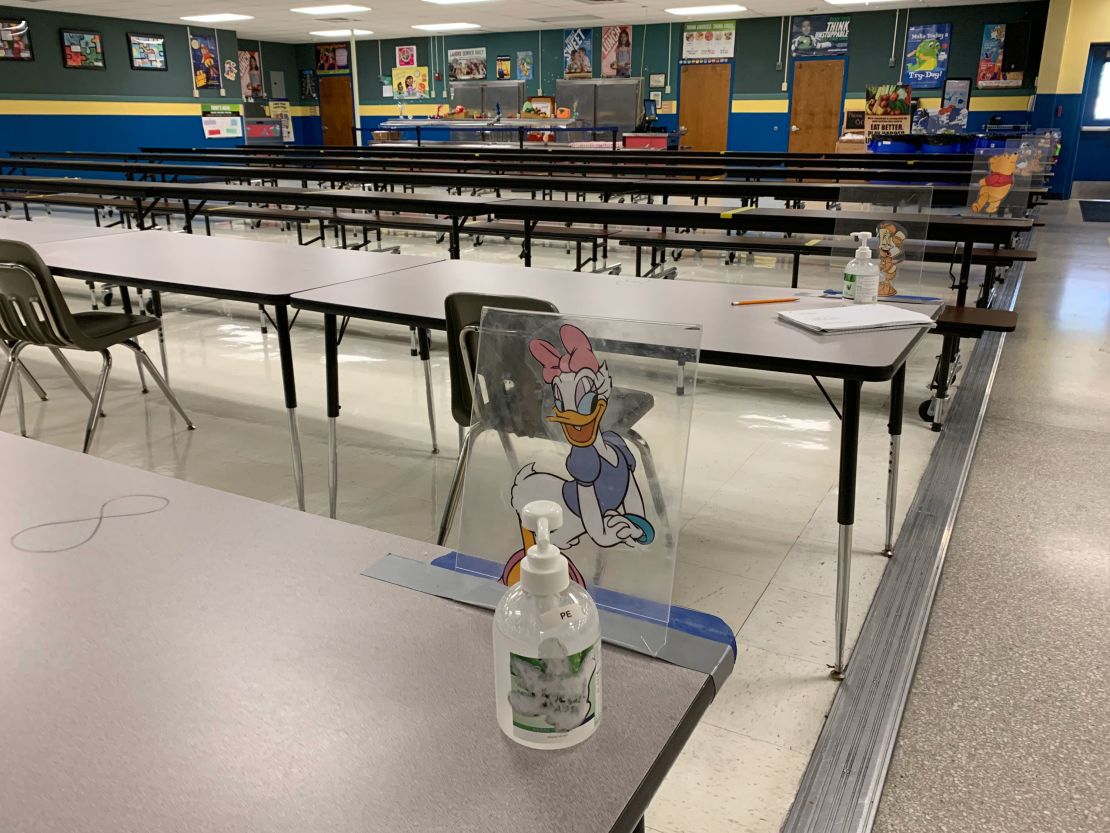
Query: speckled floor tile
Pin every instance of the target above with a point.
(1006, 726)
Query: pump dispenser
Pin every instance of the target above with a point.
(861, 275)
(546, 646)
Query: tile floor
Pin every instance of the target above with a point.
(758, 533)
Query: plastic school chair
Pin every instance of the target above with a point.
(33, 313)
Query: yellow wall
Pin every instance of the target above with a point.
(1073, 25)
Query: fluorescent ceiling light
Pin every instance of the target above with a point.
(446, 27)
(454, 2)
(339, 8)
(217, 18)
(341, 33)
(697, 10)
(858, 2)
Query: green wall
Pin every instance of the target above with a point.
(759, 41)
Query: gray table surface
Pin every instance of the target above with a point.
(50, 231)
(221, 266)
(221, 665)
(751, 336)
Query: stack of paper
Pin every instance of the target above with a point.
(856, 318)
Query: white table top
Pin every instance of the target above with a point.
(218, 266)
(220, 665)
(53, 230)
(750, 336)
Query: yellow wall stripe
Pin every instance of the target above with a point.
(50, 107)
(760, 105)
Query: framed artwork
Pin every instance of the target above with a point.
(147, 51)
(15, 41)
(81, 49)
(406, 56)
(657, 79)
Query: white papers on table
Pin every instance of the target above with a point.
(856, 318)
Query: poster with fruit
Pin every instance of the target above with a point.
(710, 41)
(887, 110)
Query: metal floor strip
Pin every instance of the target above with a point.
(841, 787)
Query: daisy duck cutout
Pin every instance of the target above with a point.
(601, 499)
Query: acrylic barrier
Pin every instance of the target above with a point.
(594, 414)
(1001, 175)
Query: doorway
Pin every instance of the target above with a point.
(816, 96)
(704, 101)
(337, 112)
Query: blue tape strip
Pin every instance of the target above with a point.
(693, 622)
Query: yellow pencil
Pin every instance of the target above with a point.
(763, 301)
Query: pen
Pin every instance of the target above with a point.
(763, 301)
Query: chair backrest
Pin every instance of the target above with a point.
(464, 314)
(32, 308)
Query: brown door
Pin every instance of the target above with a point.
(815, 106)
(704, 100)
(337, 113)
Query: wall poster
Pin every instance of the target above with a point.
(410, 82)
(616, 52)
(250, 74)
(991, 74)
(710, 41)
(333, 58)
(578, 53)
(524, 63)
(819, 34)
(887, 111)
(467, 64)
(205, 56)
(504, 65)
(952, 116)
(926, 61)
(406, 56)
(279, 109)
(221, 121)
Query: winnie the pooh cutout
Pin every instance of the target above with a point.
(996, 185)
(892, 238)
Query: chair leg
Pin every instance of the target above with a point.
(653, 481)
(142, 376)
(19, 404)
(141, 355)
(9, 371)
(68, 368)
(454, 494)
(98, 401)
(26, 374)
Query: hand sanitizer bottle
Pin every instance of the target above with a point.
(861, 275)
(546, 646)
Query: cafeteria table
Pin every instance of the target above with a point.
(750, 337)
(51, 231)
(261, 273)
(180, 658)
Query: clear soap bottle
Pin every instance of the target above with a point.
(861, 275)
(546, 646)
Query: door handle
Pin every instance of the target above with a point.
(794, 128)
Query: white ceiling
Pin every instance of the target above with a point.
(394, 18)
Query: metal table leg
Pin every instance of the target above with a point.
(846, 514)
(894, 428)
(331, 371)
(289, 383)
(424, 342)
(125, 299)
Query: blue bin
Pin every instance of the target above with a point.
(898, 145)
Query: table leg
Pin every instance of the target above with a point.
(454, 247)
(894, 428)
(331, 364)
(156, 296)
(125, 299)
(845, 514)
(527, 245)
(424, 341)
(289, 383)
(965, 274)
(949, 347)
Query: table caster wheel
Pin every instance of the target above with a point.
(925, 410)
(106, 297)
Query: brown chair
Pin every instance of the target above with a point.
(34, 313)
